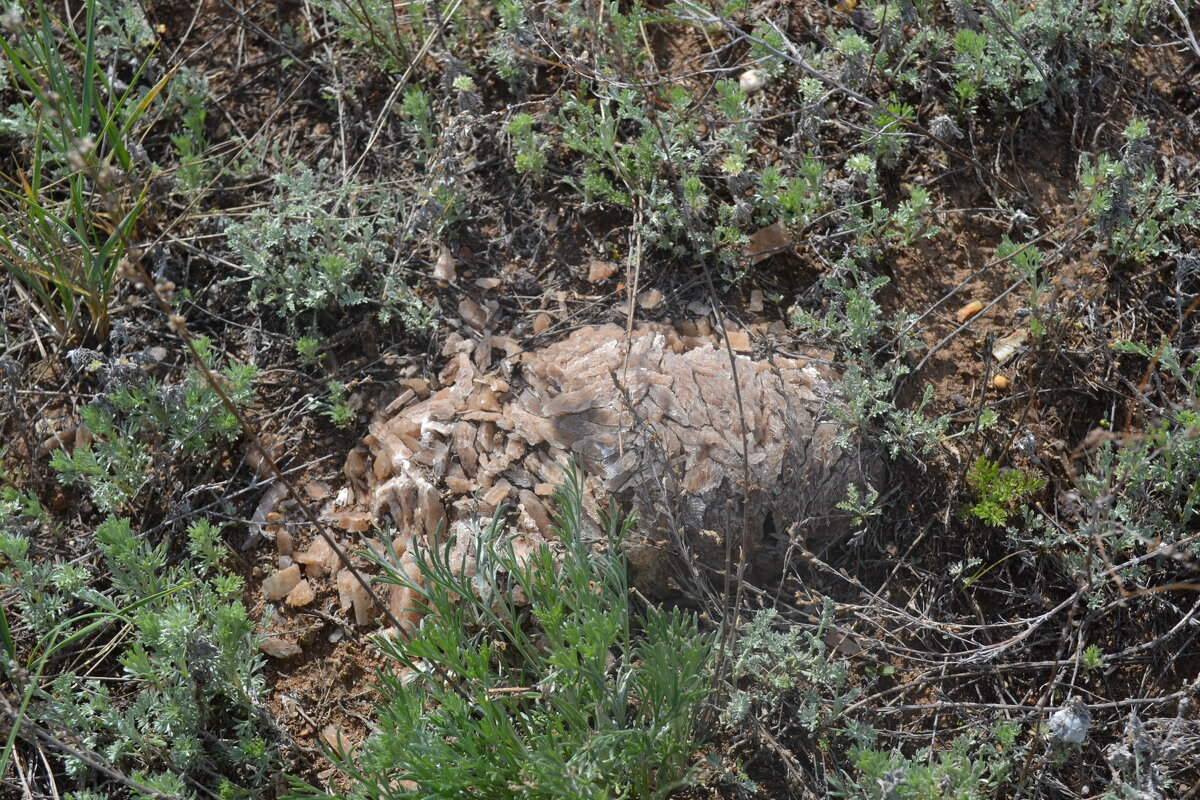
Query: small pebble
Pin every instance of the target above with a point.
(739, 341)
(302, 595)
(1000, 382)
(472, 313)
(969, 310)
(601, 270)
(277, 648)
(277, 585)
(317, 490)
(751, 81)
(651, 298)
(444, 269)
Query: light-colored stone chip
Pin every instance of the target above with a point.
(277, 585)
(302, 595)
(278, 648)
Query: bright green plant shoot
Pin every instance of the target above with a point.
(534, 678)
(1000, 490)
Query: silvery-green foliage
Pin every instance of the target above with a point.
(317, 250)
(191, 674)
(140, 427)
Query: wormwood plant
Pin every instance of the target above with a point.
(316, 252)
(535, 678)
(973, 767)
(1137, 214)
(1141, 490)
(181, 715)
(393, 32)
(785, 669)
(142, 429)
(529, 147)
(854, 322)
(993, 56)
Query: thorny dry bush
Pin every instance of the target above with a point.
(1013, 614)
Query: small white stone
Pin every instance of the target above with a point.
(651, 298)
(1071, 722)
(302, 595)
(444, 267)
(751, 81)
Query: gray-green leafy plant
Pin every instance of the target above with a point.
(535, 678)
(529, 147)
(780, 666)
(997, 57)
(1144, 489)
(392, 32)
(511, 32)
(973, 767)
(142, 429)
(318, 251)
(1139, 496)
(1138, 214)
(189, 98)
(854, 322)
(181, 714)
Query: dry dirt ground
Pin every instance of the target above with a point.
(266, 71)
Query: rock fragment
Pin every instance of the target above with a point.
(766, 242)
(319, 559)
(302, 595)
(739, 341)
(278, 648)
(649, 299)
(751, 81)
(352, 594)
(601, 270)
(444, 269)
(277, 585)
(472, 313)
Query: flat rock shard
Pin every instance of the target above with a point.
(654, 419)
